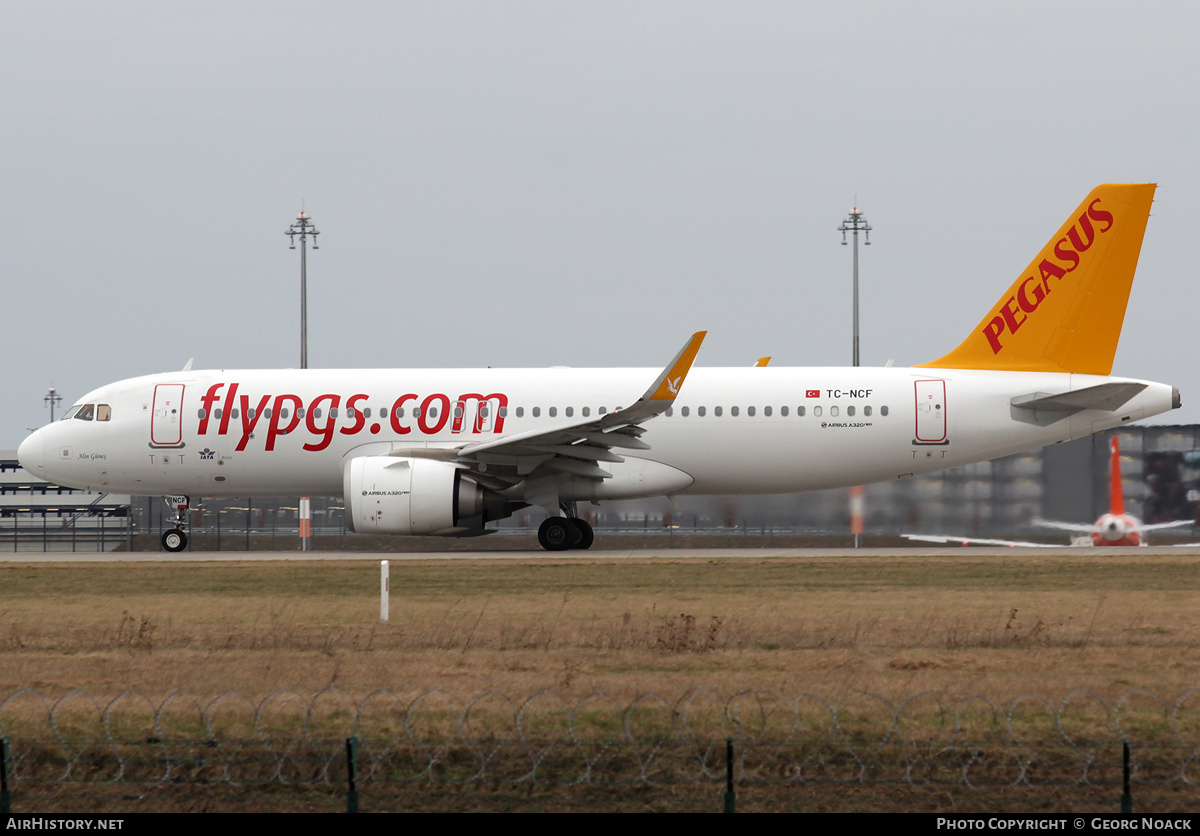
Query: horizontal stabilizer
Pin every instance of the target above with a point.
(1044, 409)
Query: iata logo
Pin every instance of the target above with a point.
(1033, 290)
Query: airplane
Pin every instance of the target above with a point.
(1115, 528)
(446, 451)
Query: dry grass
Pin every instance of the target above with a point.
(954, 625)
(826, 626)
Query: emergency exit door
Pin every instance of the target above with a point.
(166, 420)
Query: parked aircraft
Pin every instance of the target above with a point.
(445, 451)
(1116, 528)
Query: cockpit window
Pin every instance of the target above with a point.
(70, 413)
(86, 412)
(103, 412)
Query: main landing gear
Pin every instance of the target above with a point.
(557, 534)
(175, 538)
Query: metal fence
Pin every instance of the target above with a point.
(544, 740)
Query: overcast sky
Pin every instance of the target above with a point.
(535, 184)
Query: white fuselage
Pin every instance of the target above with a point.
(795, 429)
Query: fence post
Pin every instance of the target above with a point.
(1127, 794)
(730, 797)
(351, 761)
(5, 801)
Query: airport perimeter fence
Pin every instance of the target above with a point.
(545, 741)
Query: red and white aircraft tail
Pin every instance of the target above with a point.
(1116, 528)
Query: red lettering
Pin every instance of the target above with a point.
(206, 403)
(277, 415)
(1086, 223)
(481, 402)
(228, 408)
(360, 419)
(1063, 253)
(441, 417)
(1028, 305)
(1048, 268)
(248, 423)
(326, 432)
(992, 331)
(1010, 315)
(1100, 215)
(397, 427)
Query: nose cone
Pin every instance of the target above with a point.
(32, 454)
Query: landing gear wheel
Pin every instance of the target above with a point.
(586, 536)
(556, 534)
(174, 540)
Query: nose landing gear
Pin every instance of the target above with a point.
(175, 538)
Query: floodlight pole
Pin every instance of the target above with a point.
(52, 399)
(853, 225)
(304, 228)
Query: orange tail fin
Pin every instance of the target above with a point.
(1064, 313)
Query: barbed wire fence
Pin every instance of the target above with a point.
(544, 740)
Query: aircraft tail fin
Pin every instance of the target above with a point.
(1116, 494)
(1064, 312)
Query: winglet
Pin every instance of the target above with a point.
(668, 384)
(762, 361)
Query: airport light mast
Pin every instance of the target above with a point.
(304, 228)
(853, 225)
(52, 399)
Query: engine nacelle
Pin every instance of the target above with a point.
(395, 495)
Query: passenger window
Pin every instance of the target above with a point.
(332, 412)
(520, 412)
(783, 410)
(316, 413)
(503, 412)
(866, 410)
(267, 413)
(883, 410)
(670, 411)
(458, 413)
(816, 411)
(483, 411)
(366, 413)
(350, 412)
(217, 413)
(733, 410)
(750, 411)
(537, 412)
(603, 410)
(700, 411)
(570, 411)
(234, 414)
(833, 411)
(684, 412)
(300, 412)
(717, 411)
(850, 410)
(767, 411)
(554, 412)
(587, 410)
(200, 414)
(250, 414)
(283, 414)
(800, 411)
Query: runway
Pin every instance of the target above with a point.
(596, 554)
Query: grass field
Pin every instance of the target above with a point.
(894, 626)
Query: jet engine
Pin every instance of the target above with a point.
(398, 495)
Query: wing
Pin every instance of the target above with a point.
(579, 447)
(976, 541)
(1078, 528)
(1161, 526)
